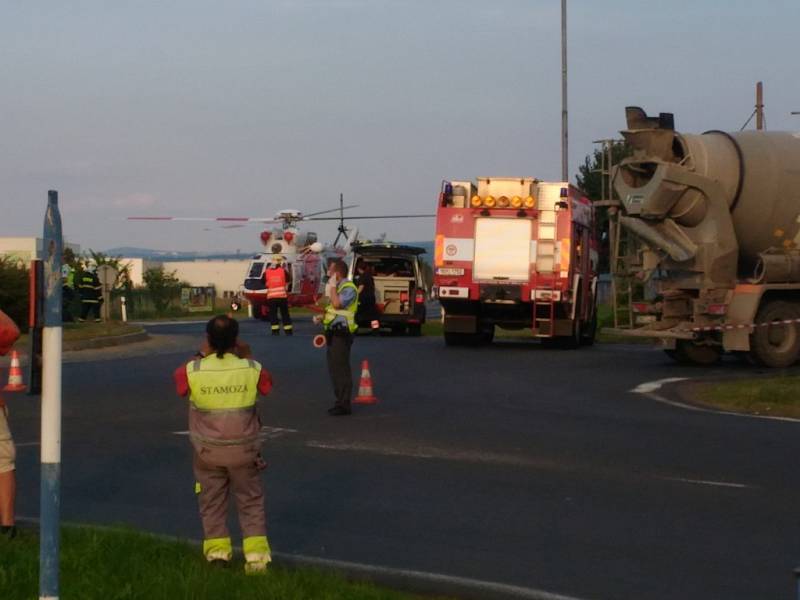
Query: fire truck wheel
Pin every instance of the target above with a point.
(590, 332)
(571, 342)
(776, 346)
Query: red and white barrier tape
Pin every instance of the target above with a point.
(739, 326)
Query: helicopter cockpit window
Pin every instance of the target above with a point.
(256, 270)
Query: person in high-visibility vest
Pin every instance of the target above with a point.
(9, 333)
(278, 282)
(67, 292)
(89, 289)
(339, 321)
(223, 384)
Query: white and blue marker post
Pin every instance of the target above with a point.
(50, 501)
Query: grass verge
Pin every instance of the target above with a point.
(124, 564)
(773, 396)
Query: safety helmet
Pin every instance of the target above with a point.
(91, 268)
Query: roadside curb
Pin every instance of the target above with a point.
(685, 391)
(88, 344)
(674, 392)
(105, 342)
(416, 582)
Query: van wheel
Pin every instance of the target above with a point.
(260, 311)
(777, 345)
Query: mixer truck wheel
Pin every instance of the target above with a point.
(776, 346)
(687, 352)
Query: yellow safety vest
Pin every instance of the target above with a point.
(348, 313)
(222, 396)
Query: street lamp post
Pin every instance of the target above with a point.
(564, 132)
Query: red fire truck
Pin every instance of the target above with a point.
(517, 253)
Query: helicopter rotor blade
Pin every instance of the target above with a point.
(372, 217)
(330, 210)
(244, 220)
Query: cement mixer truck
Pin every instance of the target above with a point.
(714, 223)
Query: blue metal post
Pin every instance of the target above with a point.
(797, 581)
(50, 501)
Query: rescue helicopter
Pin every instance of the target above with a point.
(304, 256)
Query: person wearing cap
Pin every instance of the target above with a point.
(278, 281)
(89, 289)
(9, 333)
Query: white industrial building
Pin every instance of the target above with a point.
(226, 276)
(26, 249)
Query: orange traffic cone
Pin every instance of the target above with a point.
(365, 395)
(14, 375)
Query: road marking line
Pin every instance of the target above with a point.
(266, 432)
(708, 482)
(649, 388)
(652, 386)
(157, 323)
(464, 586)
(432, 452)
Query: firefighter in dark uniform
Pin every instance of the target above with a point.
(278, 281)
(339, 321)
(89, 290)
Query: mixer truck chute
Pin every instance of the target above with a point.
(715, 221)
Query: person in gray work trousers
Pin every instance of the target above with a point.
(339, 322)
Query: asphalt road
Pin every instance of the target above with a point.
(513, 463)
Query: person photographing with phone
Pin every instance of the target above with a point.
(222, 384)
(339, 323)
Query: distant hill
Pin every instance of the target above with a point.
(150, 254)
(163, 255)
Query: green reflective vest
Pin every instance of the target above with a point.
(222, 400)
(349, 313)
(226, 383)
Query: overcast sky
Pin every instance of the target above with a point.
(201, 108)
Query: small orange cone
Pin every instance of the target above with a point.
(14, 375)
(365, 395)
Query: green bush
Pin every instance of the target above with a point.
(163, 288)
(14, 291)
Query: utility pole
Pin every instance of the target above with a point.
(564, 133)
(759, 106)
